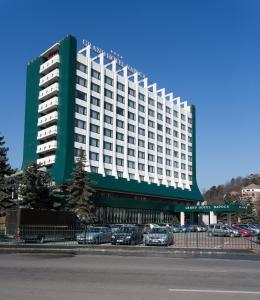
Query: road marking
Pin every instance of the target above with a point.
(213, 291)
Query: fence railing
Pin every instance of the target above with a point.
(80, 236)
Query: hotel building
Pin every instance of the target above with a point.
(138, 139)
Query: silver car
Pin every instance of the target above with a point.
(162, 236)
(222, 230)
(95, 235)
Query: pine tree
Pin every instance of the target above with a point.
(5, 171)
(36, 188)
(80, 190)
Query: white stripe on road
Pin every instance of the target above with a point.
(213, 291)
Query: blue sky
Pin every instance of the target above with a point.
(207, 52)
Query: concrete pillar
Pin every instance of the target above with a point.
(182, 218)
(212, 218)
(229, 220)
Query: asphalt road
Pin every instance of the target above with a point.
(97, 277)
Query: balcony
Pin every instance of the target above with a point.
(48, 105)
(48, 92)
(50, 64)
(49, 78)
(49, 146)
(46, 161)
(47, 133)
(48, 119)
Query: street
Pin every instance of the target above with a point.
(66, 277)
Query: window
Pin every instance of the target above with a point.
(183, 127)
(176, 174)
(159, 105)
(131, 127)
(95, 74)
(119, 149)
(141, 120)
(141, 154)
(150, 134)
(159, 171)
(159, 116)
(80, 124)
(119, 162)
(176, 144)
(150, 146)
(175, 123)
(94, 156)
(168, 120)
(159, 138)
(108, 119)
(119, 123)
(183, 156)
(141, 108)
(175, 133)
(175, 154)
(151, 101)
(159, 160)
(190, 178)
(168, 141)
(94, 169)
(131, 115)
(108, 93)
(131, 92)
(183, 176)
(131, 140)
(120, 99)
(94, 114)
(150, 157)
(168, 162)
(150, 169)
(159, 127)
(183, 117)
(120, 87)
(94, 142)
(159, 149)
(175, 114)
(141, 97)
(183, 146)
(79, 138)
(168, 151)
(120, 111)
(108, 80)
(108, 106)
(141, 167)
(150, 123)
(79, 152)
(189, 120)
(189, 148)
(183, 166)
(107, 159)
(107, 145)
(168, 173)
(168, 110)
(190, 168)
(189, 139)
(81, 81)
(119, 136)
(95, 87)
(151, 112)
(190, 158)
(189, 130)
(183, 136)
(108, 132)
(80, 109)
(168, 130)
(81, 95)
(141, 131)
(130, 152)
(176, 164)
(94, 128)
(140, 143)
(94, 101)
(141, 178)
(108, 171)
(83, 68)
(120, 174)
(130, 164)
(131, 103)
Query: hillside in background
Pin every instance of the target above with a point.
(230, 192)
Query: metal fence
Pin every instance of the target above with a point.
(82, 236)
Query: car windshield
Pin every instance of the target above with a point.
(93, 229)
(126, 229)
(159, 230)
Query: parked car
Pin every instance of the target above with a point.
(176, 228)
(148, 227)
(222, 230)
(95, 235)
(128, 235)
(252, 228)
(159, 236)
(242, 231)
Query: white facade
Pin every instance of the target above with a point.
(126, 126)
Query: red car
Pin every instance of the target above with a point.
(244, 232)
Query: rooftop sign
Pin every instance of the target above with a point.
(208, 208)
